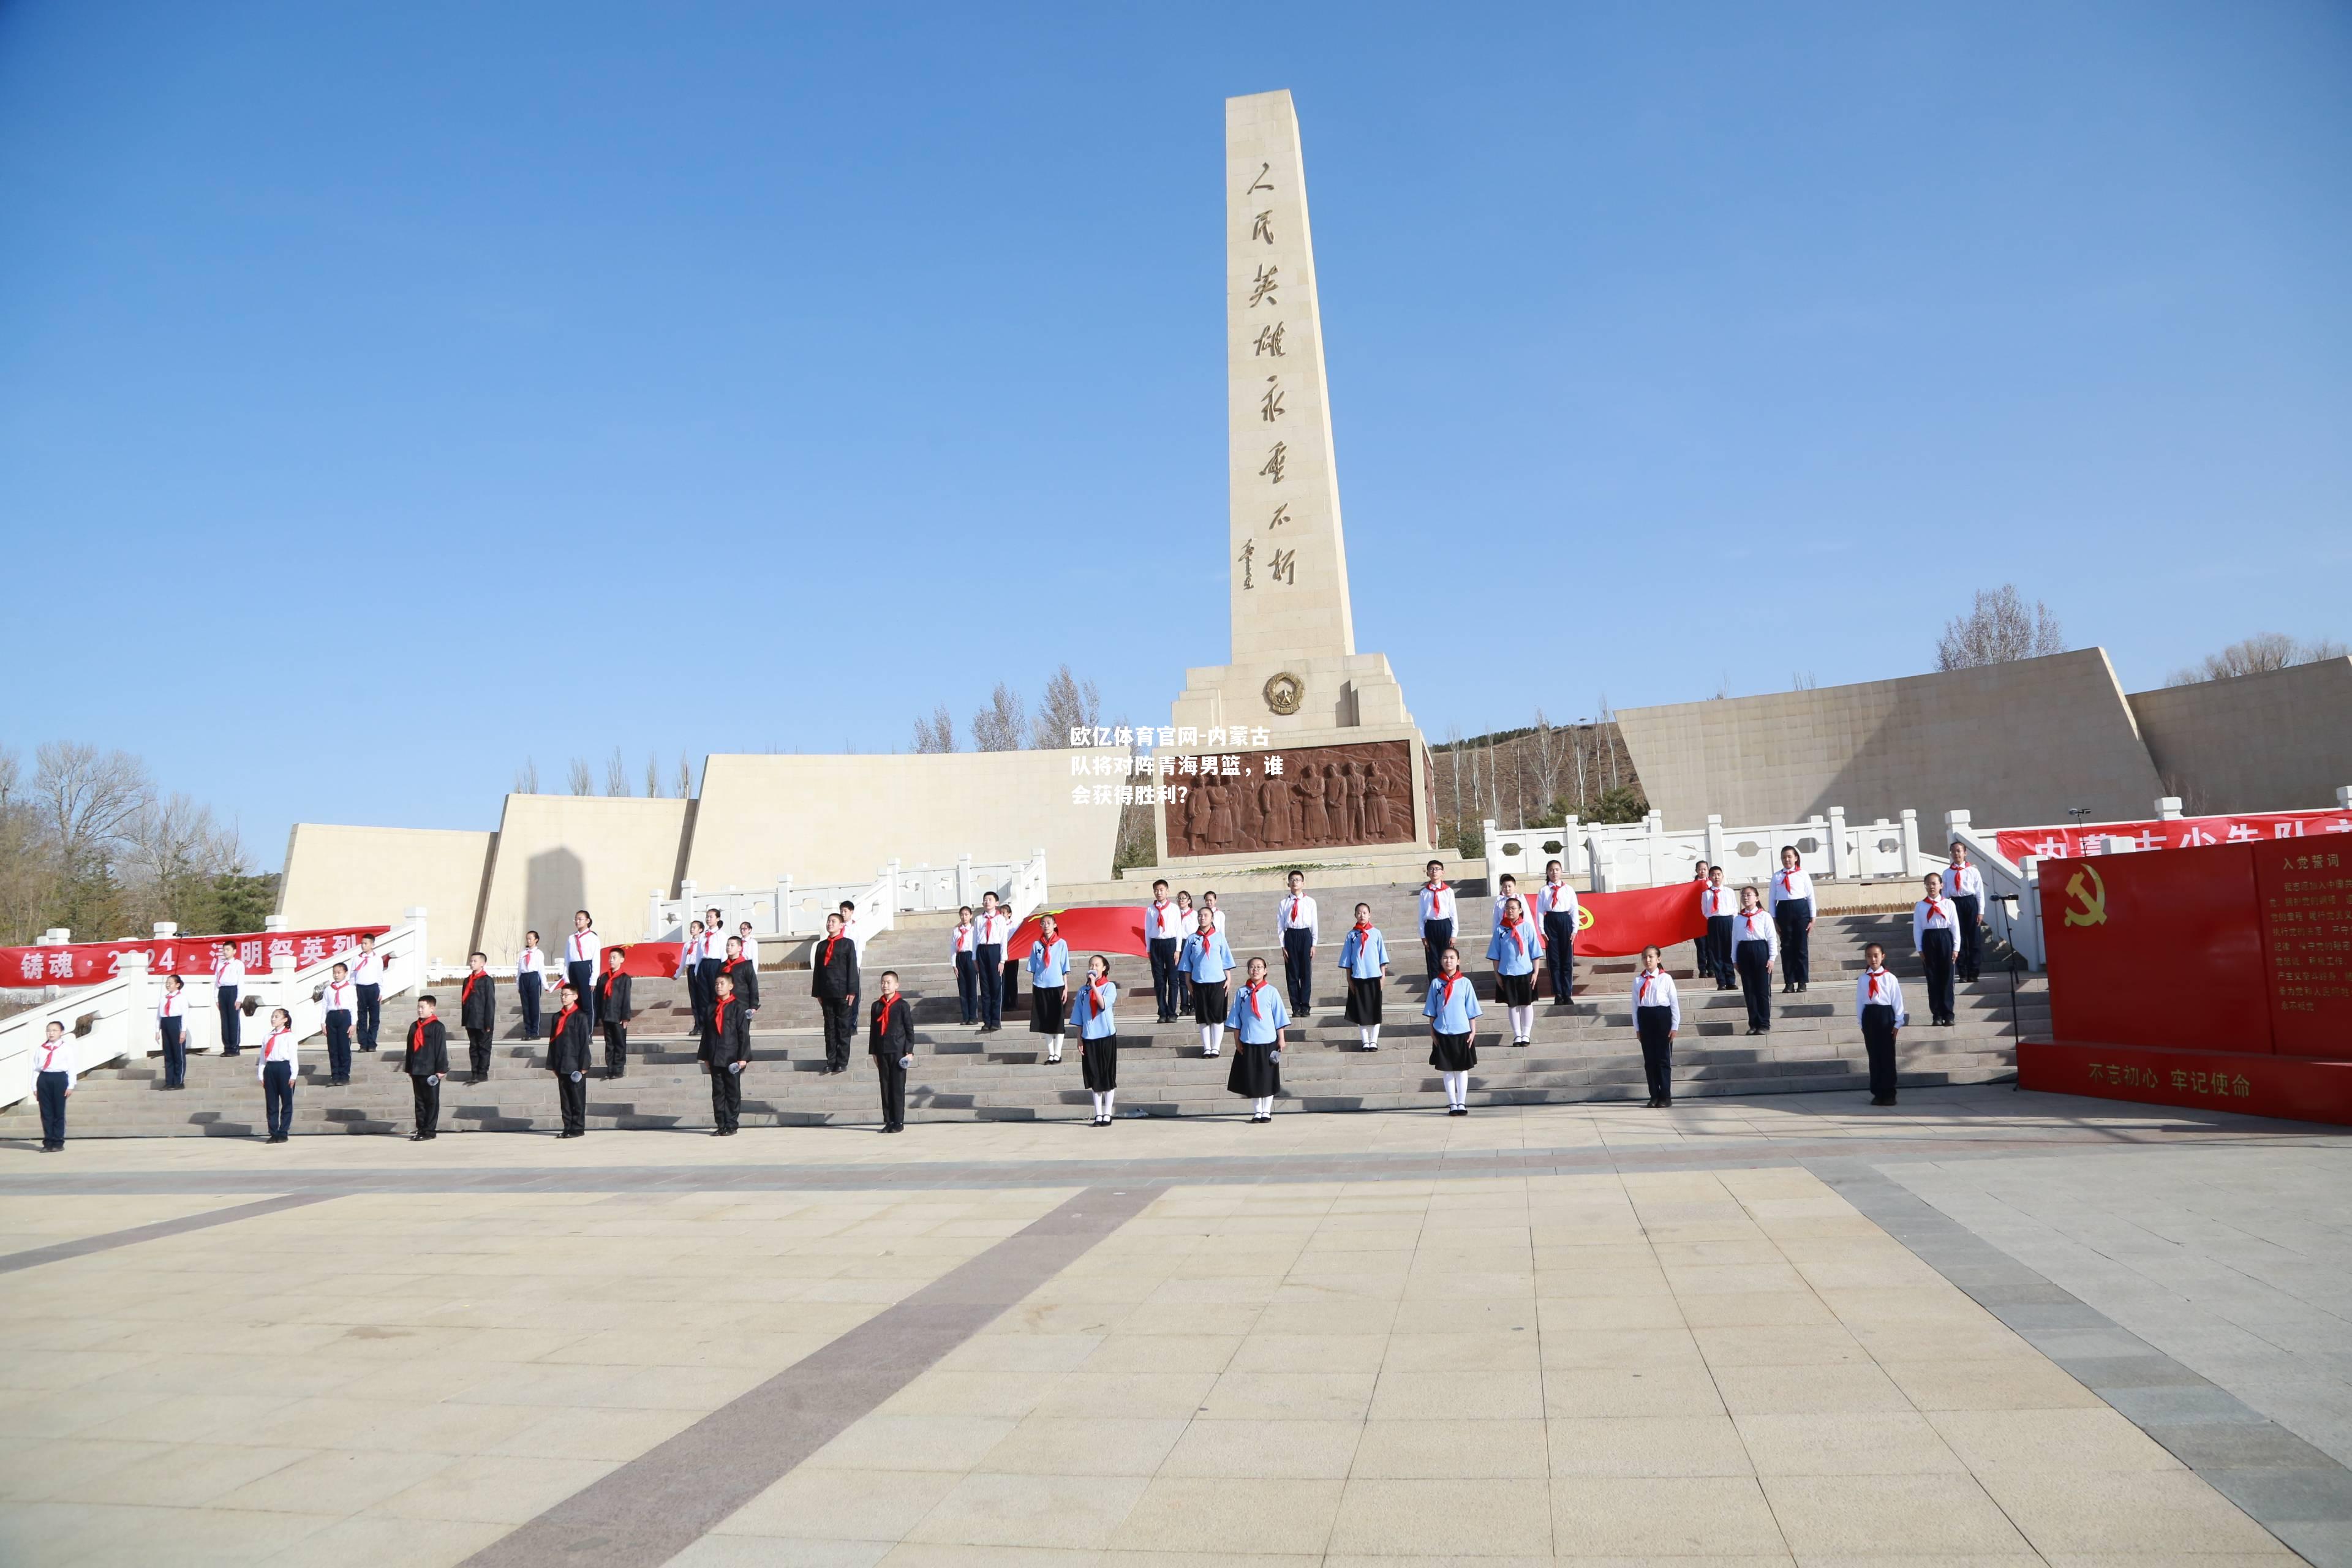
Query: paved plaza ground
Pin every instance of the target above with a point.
(1985, 1326)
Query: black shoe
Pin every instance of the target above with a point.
(1881, 1100)
(416, 1138)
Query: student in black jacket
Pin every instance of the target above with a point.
(478, 1012)
(567, 1059)
(891, 1043)
(727, 1047)
(834, 983)
(613, 1013)
(426, 1063)
(744, 973)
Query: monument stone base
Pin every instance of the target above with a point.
(1360, 795)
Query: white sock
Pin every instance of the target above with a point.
(1264, 1107)
(1109, 1097)
(1523, 1023)
(1216, 1037)
(1097, 1107)
(1457, 1088)
(1373, 1035)
(1364, 1035)
(1208, 1039)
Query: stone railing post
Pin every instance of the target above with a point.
(423, 967)
(965, 893)
(1715, 841)
(138, 1007)
(1571, 849)
(1841, 862)
(2168, 808)
(1911, 843)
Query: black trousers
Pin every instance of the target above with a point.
(1654, 1026)
(1298, 970)
(1971, 955)
(1878, 1038)
(1719, 949)
(840, 1029)
(698, 997)
(583, 982)
(175, 1053)
(428, 1095)
(371, 1016)
(1793, 917)
(277, 1097)
(339, 1046)
(990, 965)
(50, 1088)
(1163, 976)
(726, 1095)
(571, 1101)
(478, 1049)
(616, 1048)
(527, 989)
(1935, 952)
(894, 1091)
(967, 987)
(1436, 936)
(1559, 955)
(230, 1020)
(1752, 960)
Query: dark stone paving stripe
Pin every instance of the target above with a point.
(33, 1257)
(660, 1503)
(2297, 1492)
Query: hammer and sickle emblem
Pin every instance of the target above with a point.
(2093, 898)
(1584, 916)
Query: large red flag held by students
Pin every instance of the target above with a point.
(1109, 929)
(654, 960)
(1619, 925)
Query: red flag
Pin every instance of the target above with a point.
(654, 960)
(1619, 925)
(1102, 928)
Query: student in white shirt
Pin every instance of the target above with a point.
(963, 945)
(709, 959)
(1437, 910)
(1717, 903)
(1936, 937)
(995, 927)
(172, 1027)
(1186, 919)
(1657, 1013)
(689, 968)
(1792, 903)
(1295, 918)
(280, 1063)
(1755, 944)
(228, 978)
(579, 951)
(530, 981)
(1967, 889)
(1878, 1004)
(750, 943)
(53, 1062)
(367, 989)
(1163, 938)
(336, 1000)
(1700, 963)
(1556, 916)
(1364, 960)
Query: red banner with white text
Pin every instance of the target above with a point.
(91, 962)
(2181, 833)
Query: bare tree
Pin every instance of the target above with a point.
(2264, 651)
(172, 853)
(88, 797)
(1000, 726)
(685, 777)
(617, 773)
(582, 780)
(653, 778)
(1999, 629)
(935, 732)
(1546, 750)
(1069, 706)
(1802, 681)
(527, 777)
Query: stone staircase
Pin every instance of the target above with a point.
(1583, 1051)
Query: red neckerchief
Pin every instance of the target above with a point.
(728, 968)
(416, 1035)
(718, 1015)
(882, 1018)
(171, 1003)
(1513, 927)
(1445, 982)
(1789, 881)
(1362, 930)
(269, 1045)
(1094, 996)
(1935, 907)
(1251, 989)
(563, 1018)
(1751, 917)
(466, 991)
(827, 959)
(964, 934)
(50, 1050)
(1294, 908)
(1555, 889)
(1873, 976)
(1644, 999)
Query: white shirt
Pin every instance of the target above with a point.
(580, 947)
(1942, 915)
(1718, 900)
(1965, 881)
(174, 1004)
(337, 998)
(1786, 885)
(963, 938)
(1555, 897)
(530, 960)
(53, 1056)
(751, 950)
(279, 1048)
(691, 947)
(1657, 991)
(228, 975)
(1879, 985)
(1756, 927)
(1296, 913)
(993, 928)
(1436, 903)
(1163, 921)
(1216, 920)
(367, 968)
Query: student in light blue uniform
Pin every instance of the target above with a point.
(1514, 948)
(1364, 960)
(1259, 1015)
(1098, 1036)
(1452, 1011)
(1049, 980)
(1206, 961)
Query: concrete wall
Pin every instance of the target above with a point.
(336, 875)
(558, 853)
(2012, 744)
(2280, 741)
(837, 819)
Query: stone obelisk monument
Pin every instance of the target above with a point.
(1353, 770)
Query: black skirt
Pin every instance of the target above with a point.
(1513, 991)
(1045, 1009)
(1364, 1001)
(1452, 1053)
(1254, 1073)
(1099, 1063)
(1209, 1004)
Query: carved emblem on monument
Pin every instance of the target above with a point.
(1323, 797)
(1285, 692)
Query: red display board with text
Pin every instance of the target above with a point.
(2306, 910)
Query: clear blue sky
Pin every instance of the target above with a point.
(459, 383)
